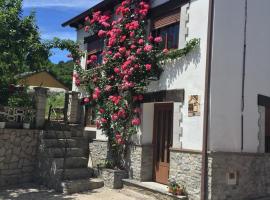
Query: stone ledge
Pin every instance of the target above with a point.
(154, 189)
(255, 154)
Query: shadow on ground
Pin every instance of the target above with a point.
(33, 192)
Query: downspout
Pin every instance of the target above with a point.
(204, 181)
(243, 78)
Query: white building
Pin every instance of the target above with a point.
(216, 100)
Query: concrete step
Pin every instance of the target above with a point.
(70, 162)
(153, 189)
(81, 185)
(60, 143)
(51, 134)
(75, 174)
(62, 152)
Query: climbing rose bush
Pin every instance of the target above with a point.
(115, 87)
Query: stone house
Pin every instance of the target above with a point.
(212, 105)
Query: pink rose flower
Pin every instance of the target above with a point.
(133, 46)
(103, 120)
(150, 38)
(114, 117)
(165, 51)
(123, 38)
(101, 110)
(136, 122)
(86, 100)
(122, 50)
(148, 67)
(158, 39)
(101, 33)
(148, 48)
(139, 51)
(141, 41)
(117, 70)
(132, 34)
(87, 28)
(93, 58)
(108, 88)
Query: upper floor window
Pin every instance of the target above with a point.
(94, 47)
(168, 27)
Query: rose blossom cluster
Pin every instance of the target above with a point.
(128, 60)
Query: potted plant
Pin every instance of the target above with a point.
(175, 188)
(113, 172)
(3, 120)
(27, 119)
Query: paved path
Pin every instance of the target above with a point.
(32, 192)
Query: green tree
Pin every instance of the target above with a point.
(63, 71)
(20, 44)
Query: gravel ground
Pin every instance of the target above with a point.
(32, 192)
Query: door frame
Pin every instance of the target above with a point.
(171, 104)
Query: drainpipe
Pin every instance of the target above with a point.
(204, 181)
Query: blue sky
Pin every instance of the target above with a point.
(51, 14)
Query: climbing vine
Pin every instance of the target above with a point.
(130, 58)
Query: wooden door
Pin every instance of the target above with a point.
(162, 141)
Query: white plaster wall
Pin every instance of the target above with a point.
(257, 68)
(145, 131)
(189, 74)
(226, 73)
(225, 92)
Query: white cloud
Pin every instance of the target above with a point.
(85, 4)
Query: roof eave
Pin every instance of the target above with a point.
(79, 18)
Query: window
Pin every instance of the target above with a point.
(170, 35)
(167, 27)
(94, 47)
(90, 117)
(98, 54)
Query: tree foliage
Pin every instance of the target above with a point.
(63, 71)
(20, 44)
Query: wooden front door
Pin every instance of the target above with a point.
(162, 141)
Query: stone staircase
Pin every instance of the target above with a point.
(63, 161)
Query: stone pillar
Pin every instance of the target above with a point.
(73, 107)
(41, 97)
(66, 107)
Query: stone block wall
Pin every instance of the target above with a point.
(140, 162)
(252, 170)
(18, 156)
(185, 169)
(98, 152)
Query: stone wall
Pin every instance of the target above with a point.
(98, 152)
(185, 169)
(140, 162)
(253, 175)
(18, 155)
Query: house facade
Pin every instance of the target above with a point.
(205, 122)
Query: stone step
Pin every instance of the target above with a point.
(81, 185)
(57, 134)
(69, 152)
(74, 174)
(60, 143)
(153, 189)
(70, 162)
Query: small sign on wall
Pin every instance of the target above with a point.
(194, 106)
